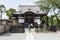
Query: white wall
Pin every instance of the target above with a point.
(21, 20)
(37, 21)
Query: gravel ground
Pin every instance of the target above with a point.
(13, 36)
(47, 36)
(31, 36)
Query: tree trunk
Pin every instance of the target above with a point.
(56, 18)
(47, 22)
(51, 20)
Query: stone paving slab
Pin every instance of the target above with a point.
(36, 36)
(13, 36)
(47, 36)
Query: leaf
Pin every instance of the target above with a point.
(8, 12)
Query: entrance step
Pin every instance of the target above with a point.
(27, 30)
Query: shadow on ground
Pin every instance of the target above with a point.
(5, 34)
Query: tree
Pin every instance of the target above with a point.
(8, 12)
(44, 6)
(55, 4)
(2, 9)
(49, 5)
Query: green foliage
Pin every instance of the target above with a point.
(49, 5)
(52, 20)
(8, 12)
(12, 10)
(54, 3)
(2, 7)
(44, 5)
(55, 22)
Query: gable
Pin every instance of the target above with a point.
(32, 8)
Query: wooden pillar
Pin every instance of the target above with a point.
(40, 18)
(51, 20)
(24, 18)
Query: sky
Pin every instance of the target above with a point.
(14, 4)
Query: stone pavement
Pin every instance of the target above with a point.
(47, 36)
(31, 36)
